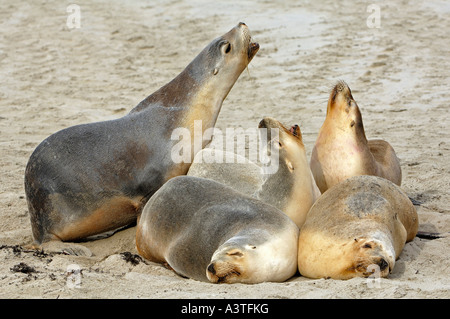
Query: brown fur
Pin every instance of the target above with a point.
(112, 214)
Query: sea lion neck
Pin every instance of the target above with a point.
(176, 93)
(291, 188)
(344, 123)
(281, 179)
(279, 187)
(196, 91)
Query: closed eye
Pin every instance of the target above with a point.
(236, 253)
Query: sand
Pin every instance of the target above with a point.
(53, 77)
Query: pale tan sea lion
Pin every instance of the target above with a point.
(92, 178)
(207, 231)
(291, 188)
(355, 227)
(342, 149)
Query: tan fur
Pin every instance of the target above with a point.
(388, 163)
(363, 221)
(342, 149)
(302, 195)
(112, 214)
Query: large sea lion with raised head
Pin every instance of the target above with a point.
(92, 178)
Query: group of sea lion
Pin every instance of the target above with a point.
(224, 222)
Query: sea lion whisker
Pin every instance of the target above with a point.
(224, 276)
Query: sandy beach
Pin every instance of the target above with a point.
(54, 76)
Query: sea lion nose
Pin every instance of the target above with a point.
(262, 124)
(383, 264)
(211, 268)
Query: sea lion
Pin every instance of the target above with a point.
(342, 149)
(92, 178)
(207, 231)
(355, 227)
(291, 188)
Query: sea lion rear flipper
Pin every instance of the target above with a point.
(60, 247)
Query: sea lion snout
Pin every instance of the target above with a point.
(342, 87)
(252, 47)
(223, 272)
(271, 123)
(341, 94)
(380, 266)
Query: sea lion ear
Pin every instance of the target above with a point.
(289, 165)
(216, 70)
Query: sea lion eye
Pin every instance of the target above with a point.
(277, 143)
(235, 253)
(367, 246)
(226, 47)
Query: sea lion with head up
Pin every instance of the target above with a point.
(92, 178)
(290, 188)
(342, 149)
